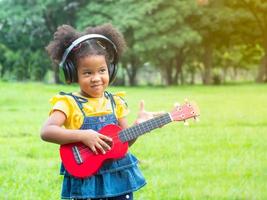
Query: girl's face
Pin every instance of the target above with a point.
(93, 76)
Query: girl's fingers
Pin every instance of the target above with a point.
(156, 114)
(100, 148)
(94, 150)
(106, 146)
(106, 138)
(142, 106)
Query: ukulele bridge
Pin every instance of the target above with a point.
(77, 155)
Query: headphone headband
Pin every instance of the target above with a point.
(67, 69)
(82, 39)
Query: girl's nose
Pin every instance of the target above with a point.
(95, 78)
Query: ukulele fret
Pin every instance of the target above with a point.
(145, 127)
(77, 155)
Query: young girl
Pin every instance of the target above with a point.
(90, 58)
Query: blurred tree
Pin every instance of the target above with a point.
(126, 15)
(3, 59)
(165, 38)
(251, 27)
(238, 58)
(26, 28)
(58, 12)
(155, 31)
(179, 38)
(213, 22)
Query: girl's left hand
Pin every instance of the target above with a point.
(144, 115)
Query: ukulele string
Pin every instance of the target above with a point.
(115, 140)
(85, 148)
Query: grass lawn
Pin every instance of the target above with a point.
(222, 157)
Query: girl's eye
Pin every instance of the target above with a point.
(103, 70)
(87, 73)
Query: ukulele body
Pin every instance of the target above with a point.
(81, 162)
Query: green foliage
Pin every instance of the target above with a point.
(26, 28)
(167, 34)
(146, 35)
(254, 15)
(240, 56)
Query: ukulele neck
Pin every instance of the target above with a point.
(144, 127)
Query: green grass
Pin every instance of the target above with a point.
(222, 157)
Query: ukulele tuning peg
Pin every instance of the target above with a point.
(196, 119)
(176, 104)
(186, 123)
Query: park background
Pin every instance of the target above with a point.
(211, 51)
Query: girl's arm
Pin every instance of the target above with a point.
(52, 131)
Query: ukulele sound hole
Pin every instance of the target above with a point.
(110, 144)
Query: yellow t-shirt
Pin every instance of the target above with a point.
(93, 107)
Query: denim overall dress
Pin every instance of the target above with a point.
(114, 178)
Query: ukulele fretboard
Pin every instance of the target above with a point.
(145, 127)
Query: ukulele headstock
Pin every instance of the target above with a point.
(186, 111)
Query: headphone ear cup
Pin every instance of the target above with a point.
(64, 73)
(71, 72)
(74, 76)
(112, 72)
(67, 71)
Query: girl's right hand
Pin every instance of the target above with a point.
(96, 141)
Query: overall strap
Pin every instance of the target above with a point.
(78, 100)
(112, 101)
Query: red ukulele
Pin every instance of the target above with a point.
(81, 162)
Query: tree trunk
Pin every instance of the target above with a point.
(132, 70)
(192, 77)
(179, 72)
(3, 70)
(225, 69)
(207, 79)
(168, 72)
(132, 77)
(262, 71)
(56, 74)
